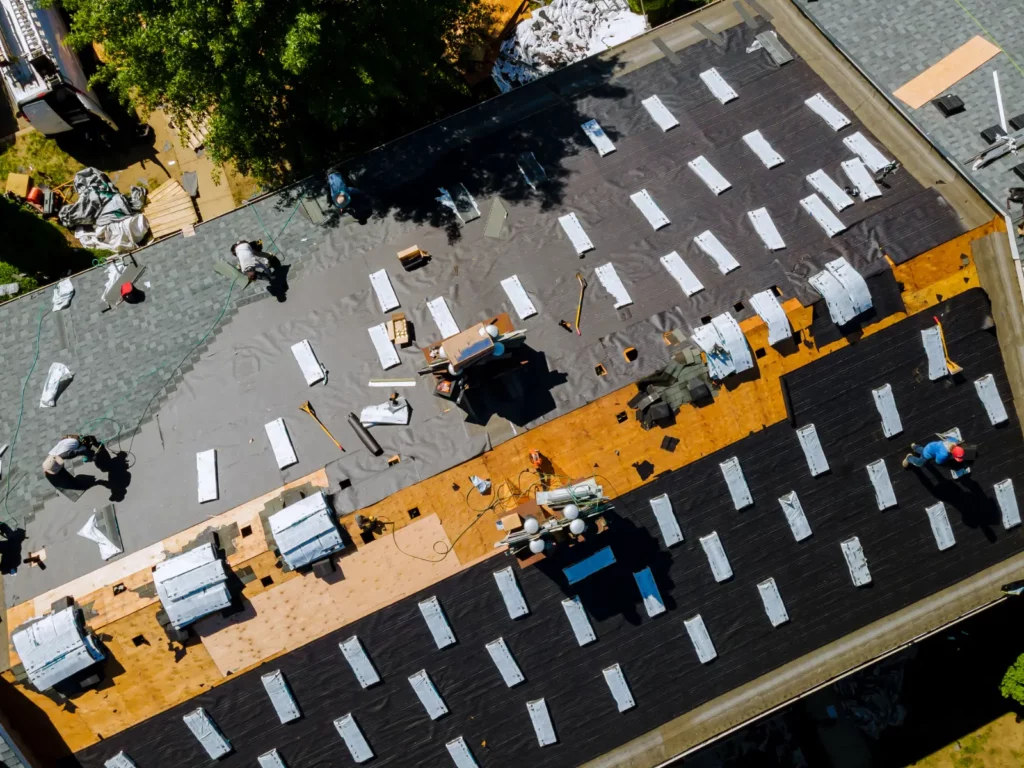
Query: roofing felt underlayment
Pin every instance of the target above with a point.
(657, 657)
(245, 375)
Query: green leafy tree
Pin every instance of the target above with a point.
(1012, 686)
(288, 84)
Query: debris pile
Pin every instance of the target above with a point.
(102, 217)
(562, 33)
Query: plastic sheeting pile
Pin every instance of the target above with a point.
(102, 217)
(561, 33)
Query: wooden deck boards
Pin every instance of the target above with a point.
(169, 209)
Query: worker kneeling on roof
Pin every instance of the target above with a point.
(937, 451)
(252, 262)
(69, 447)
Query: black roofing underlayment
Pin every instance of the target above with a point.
(656, 654)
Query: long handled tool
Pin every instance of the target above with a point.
(952, 367)
(579, 307)
(309, 409)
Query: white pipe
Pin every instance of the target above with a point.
(999, 102)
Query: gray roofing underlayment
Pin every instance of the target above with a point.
(244, 374)
(894, 42)
(656, 655)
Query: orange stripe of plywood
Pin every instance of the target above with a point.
(947, 72)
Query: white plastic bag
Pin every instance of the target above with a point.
(62, 295)
(117, 236)
(92, 532)
(58, 376)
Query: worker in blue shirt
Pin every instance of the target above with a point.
(341, 195)
(938, 451)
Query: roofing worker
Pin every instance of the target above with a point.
(937, 451)
(69, 447)
(341, 195)
(251, 261)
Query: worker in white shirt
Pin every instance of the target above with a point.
(251, 261)
(69, 447)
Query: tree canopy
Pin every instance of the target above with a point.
(1012, 685)
(289, 84)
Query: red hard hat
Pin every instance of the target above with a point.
(126, 290)
(958, 453)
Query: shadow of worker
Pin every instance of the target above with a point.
(11, 546)
(118, 476)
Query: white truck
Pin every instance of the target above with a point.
(42, 76)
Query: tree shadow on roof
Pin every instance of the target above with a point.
(480, 149)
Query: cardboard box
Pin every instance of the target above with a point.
(19, 184)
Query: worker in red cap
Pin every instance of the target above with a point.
(938, 451)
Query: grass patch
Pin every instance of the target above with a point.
(242, 187)
(39, 157)
(34, 252)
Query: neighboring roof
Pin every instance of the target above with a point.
(245, 375)
(54, 647)
(192, 585)
(10, 753)
(893, 42)
(306, 531)
(660, 665)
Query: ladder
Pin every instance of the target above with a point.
(26, 23)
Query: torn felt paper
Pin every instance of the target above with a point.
(57, 381)
(62, 295)
(91, 531)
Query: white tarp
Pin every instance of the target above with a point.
(91, 531)
(56, 380)
(117, 236)
(114, 270)
(561, 33)
(62, 295)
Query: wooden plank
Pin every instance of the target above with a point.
(166, 229)
(946, 73)
(179, 219)
(185, 214)
(173, 205)
(162, 190)
(168, 194)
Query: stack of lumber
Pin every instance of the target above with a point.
(170, 209)
(193, 132)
